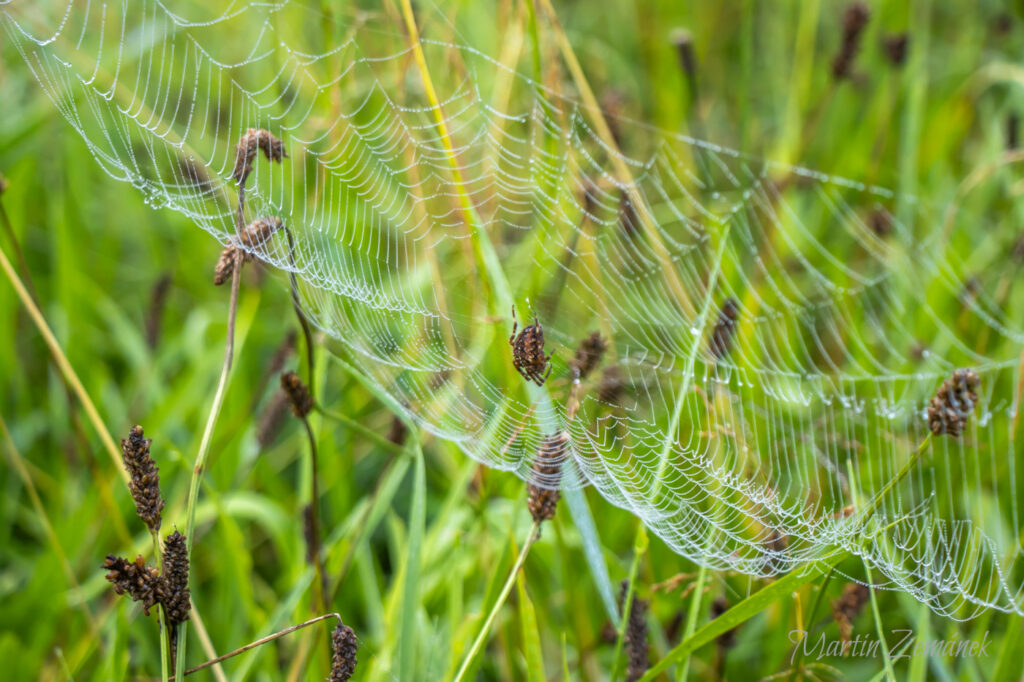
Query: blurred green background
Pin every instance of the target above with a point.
(126, 290)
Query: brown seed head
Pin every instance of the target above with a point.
(298, 394)
(397, 431)
(895, 47)
(588, 354)
(543, 495)
(953, 403)
(229, 259)
(683, 41)
(259, 231)
(636, 634)
(725, 328)
(855, 18)
(175, 593)
(195, 175)
(144, 477)
(157, 303)
(628, 218)
(134, 578)
(344, 647)
(245, 153)
(612, 386)
(849, 605)
(726, 640)
(1018, 248)
(272, 419)
(880, 223)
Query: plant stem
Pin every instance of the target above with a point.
(19, 255)
(482, 637)
(204, 446)
(165, 640)
(262, 641)
(320, 590)
(640, 547)
(361, 430)
(62, 363)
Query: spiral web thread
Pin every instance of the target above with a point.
(745, 445)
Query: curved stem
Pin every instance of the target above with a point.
(482, 637)
(320, 591)
(261, 641)
(204, 447)
(65, 367)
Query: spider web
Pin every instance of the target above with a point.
(746, 445)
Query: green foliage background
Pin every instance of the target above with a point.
(96, 252)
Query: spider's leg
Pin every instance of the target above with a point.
(550, 367)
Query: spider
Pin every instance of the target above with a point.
(528, 351)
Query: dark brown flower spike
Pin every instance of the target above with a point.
(144, 478)
(588, 355)
(895, 48)
(542, 491)
(272, 419)
(298, 394)
(725, 328)
(612, 386)
(953, 403)
(134, 578)
(727, 639)
(344, 647)
(175, 594)
(397, 432)
(245, 153)
(157, 304)
(855, 19)
(635, 639)
(849, 605)
(195, 174)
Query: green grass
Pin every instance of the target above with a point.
(419, 540)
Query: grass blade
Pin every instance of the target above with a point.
(410, 597)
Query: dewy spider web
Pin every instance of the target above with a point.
(744, 446)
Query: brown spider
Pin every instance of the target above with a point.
(528, 351)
